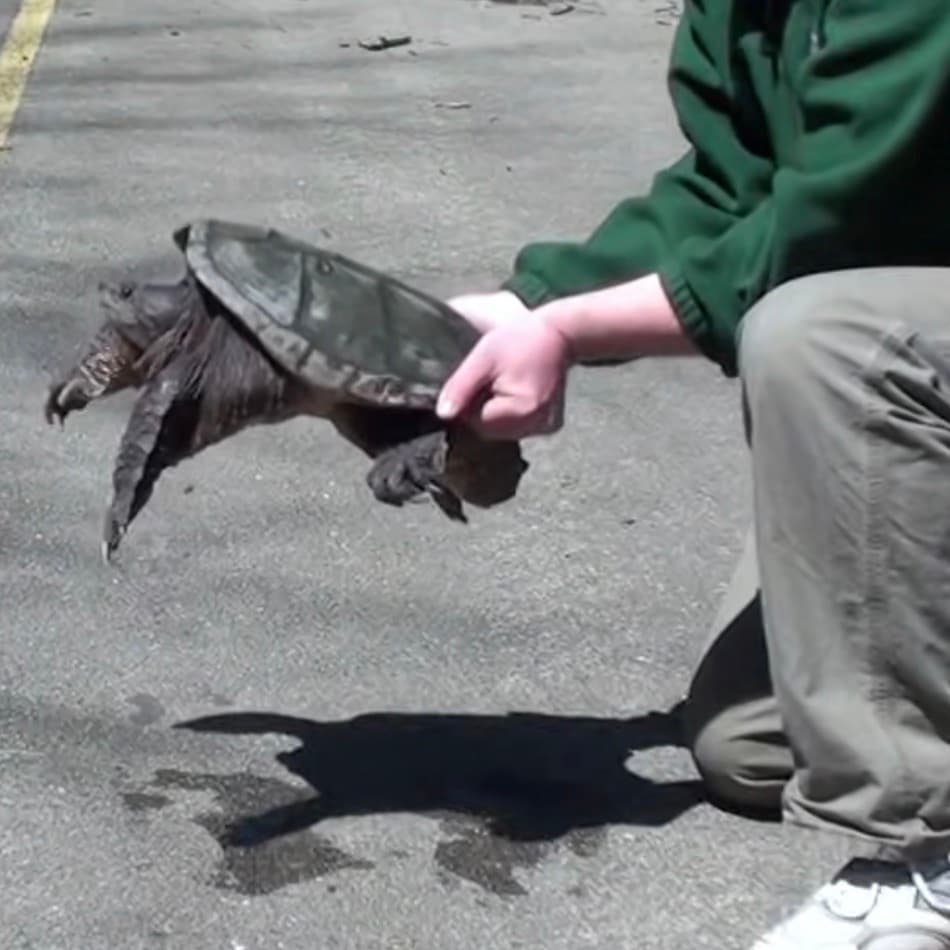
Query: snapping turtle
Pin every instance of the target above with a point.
(262, 328)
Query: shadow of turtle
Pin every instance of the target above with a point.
(530, 777)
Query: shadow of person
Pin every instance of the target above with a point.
(530, 777)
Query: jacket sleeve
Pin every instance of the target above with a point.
(724, 174)
(865, 184)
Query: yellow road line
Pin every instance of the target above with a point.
(16, 58)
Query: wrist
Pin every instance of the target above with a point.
(487, 311)
(622, 322)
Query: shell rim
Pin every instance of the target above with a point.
(350, 381)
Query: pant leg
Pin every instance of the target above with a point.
(730, 714)
(846, 378)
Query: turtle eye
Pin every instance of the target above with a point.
(126, 290)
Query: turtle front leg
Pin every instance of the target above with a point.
(162, 421)
(138, 316)
(107, 366)
(209, 386)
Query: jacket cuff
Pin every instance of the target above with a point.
(529, 288)
(694, 319)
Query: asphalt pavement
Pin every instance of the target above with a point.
(463, 731)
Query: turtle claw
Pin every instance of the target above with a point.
(52, 412)
(412, 468)
(65, 398)
(448, 502)
(400, 474)
(112, 537)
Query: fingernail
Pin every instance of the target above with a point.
(445, 408)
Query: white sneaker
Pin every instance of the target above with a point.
(871, 905)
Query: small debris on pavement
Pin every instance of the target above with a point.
(385, 42)
(669, 13)
(555, 7)
(453, 105)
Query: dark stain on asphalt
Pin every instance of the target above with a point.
(148, 710)
(251, 870)
(145, 801)
(506, 791)
(471, 851)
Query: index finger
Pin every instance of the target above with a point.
(473, 375)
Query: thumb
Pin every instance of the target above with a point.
(469, 379)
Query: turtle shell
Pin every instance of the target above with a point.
(327, 320)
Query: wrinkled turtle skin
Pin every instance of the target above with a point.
(263, 328)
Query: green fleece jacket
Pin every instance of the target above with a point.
(819, 139)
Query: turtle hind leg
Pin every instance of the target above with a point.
(408, 446)
(454, 465)
(137, 317)
(411, 468)
(374, 430)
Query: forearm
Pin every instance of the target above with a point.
(625, 321)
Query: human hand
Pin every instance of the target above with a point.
(511, 385)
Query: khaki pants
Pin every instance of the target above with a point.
(825, 686)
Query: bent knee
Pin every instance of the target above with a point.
(742, 770)
(812, 326)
